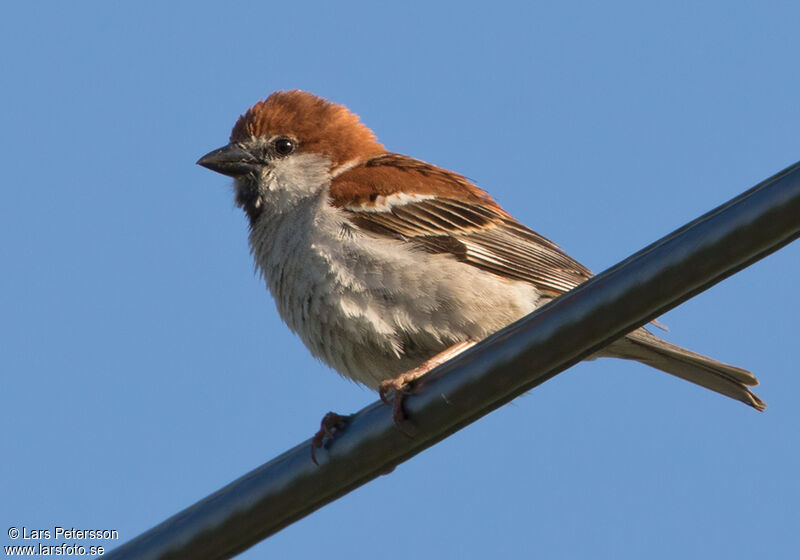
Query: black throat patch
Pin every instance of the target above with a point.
(248, 199)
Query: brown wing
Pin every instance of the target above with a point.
(442, 212)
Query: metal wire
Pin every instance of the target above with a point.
(484, 378)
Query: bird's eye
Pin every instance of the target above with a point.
(284, 146)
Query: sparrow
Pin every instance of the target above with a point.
(386, 266)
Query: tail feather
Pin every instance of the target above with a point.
(653, 351)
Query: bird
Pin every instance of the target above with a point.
(386, 265)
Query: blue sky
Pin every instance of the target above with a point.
(143, 363)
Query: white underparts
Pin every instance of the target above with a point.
(368, 306)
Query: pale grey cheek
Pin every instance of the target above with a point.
(303, 174)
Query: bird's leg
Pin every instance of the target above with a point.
(331, 426)
(401, 386)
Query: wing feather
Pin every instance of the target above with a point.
(442, 212)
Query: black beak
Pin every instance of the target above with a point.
(230, 160)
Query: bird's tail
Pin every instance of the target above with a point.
(645, 347)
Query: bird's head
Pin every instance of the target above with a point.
(288, 147)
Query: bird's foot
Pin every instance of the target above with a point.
(331, 426)
(406, 383)
(400, 387)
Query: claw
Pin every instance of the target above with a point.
(400, 387)
(332, 425)
(404, 384)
